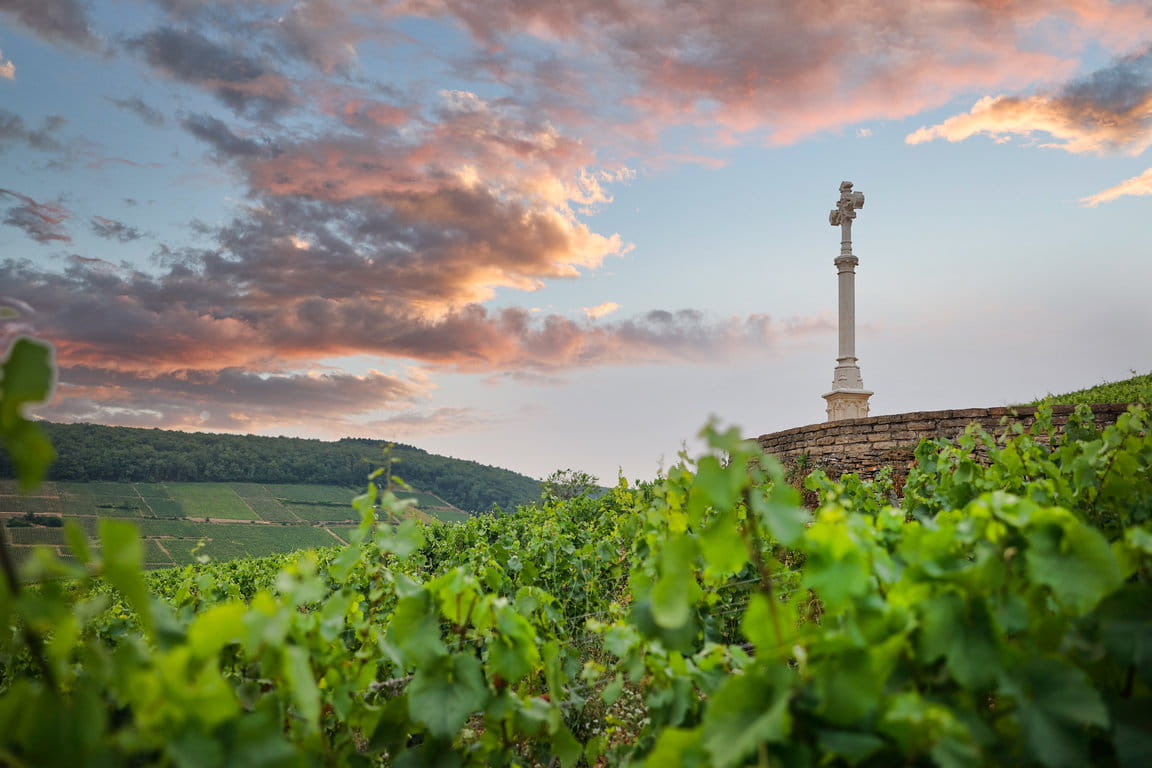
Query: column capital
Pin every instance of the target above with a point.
(847, 405)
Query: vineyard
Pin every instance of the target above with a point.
(183, 522)
(991, 612)
(1137, 389)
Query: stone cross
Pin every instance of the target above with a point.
(848, 398)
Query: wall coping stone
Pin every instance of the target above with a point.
(859, 425)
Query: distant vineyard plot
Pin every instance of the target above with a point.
(96, 453)
(210, 501)
(179, 521)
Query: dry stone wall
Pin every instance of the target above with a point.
(864, 446)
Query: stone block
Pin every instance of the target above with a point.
(971, 413)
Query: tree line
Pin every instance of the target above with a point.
(130, 454)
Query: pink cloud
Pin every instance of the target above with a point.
(791, 69)
(1108, 111)
(487, 196)
(43, 222)
(228, 399)
(204, 317)
(1135, 186)
(779, 68)
(601, 310)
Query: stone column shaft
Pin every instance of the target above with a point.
(846, 269)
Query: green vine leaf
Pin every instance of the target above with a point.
(26, 377)
(443, 695)
(746, 711)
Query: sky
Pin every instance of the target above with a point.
(545, 234)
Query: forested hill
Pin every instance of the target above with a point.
(129, 454)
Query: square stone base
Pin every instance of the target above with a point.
(847, 404)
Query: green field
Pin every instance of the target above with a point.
(247, 519)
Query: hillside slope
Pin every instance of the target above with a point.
(130, 454)
(1137, 389)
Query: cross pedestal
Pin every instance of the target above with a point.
(848, 398)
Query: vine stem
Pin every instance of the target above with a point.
(392, 685)
(752, 539)
(35, 647)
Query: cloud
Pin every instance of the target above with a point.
(1108, 111)
(441, 212)
(103, 162)
(43, 222)
(783, 68)
(473, 143)
(110, 229)
(148, 114)
(778, 69)
(7, 68)
(600, 310)
(57, 21)
(229, 399)
(13, 129)
(207, 314)
(224, 339)
(1137, 185)
(323, 33)
(217, 134)
(244, 84)
(447, 420)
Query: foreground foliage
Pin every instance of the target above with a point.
(1001, 616)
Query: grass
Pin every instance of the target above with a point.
(1137, 389)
